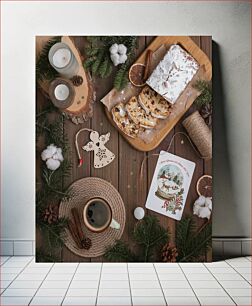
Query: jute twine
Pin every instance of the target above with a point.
(200, 134)
(84, 190)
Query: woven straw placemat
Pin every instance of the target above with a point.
(84, 190)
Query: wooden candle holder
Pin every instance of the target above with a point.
(81, 108)
(67, 102)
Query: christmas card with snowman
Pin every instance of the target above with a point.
(170, 184)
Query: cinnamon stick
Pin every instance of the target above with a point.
(74, 234)
(147, 64)
(77, 222)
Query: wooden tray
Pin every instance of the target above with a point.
(81, 109)
(205, 73)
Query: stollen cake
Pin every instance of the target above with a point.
(138, 115)
(154, 104)
(123, 121)
(173, 73)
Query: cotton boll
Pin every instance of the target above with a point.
(123, 58)
(52, 148)
(113, 49)
(196, 209)
(122, 49)
(48, 152)
(200, 201)
(208, 203)
(204, 212)
(115, 59)
(52, 164)
(58, 155)
(53, 156)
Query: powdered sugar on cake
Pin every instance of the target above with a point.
(173, 73)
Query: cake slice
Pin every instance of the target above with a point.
(138, 115)
(123, 121)
(154, 104)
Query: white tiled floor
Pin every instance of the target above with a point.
(24, 282)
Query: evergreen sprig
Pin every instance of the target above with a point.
(148, 234)
(205, 96)
(44, 71)
(50, 187)
(98, 60)
(192, 244)
(53, 233)
(41, 256)
(120, 251)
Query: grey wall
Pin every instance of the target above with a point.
(227, 22)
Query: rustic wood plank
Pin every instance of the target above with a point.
(85, 170)
(184, 149)
(130, 188)
(206, 46)
(40, 101)
(152, 161)
(123, 172)
(101, 124)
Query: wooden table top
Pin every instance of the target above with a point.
(123, 172)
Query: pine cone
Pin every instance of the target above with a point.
(206, 113)
(86, 243)
(169, 253)
(77, 80)
(51, 214)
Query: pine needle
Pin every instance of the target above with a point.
(44, 70)
(148, 235)
(120, 252)
(190, 243)
(205, 96)
(98, 60)
(50, 188)
(42, 256)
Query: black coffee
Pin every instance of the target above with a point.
(98, 214)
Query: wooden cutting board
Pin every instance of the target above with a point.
(84, 96)
(183, 103)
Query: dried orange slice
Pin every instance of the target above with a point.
(136, 74)
(204, 186)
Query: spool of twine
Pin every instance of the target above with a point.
(200, 134)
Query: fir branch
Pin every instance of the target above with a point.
(44, 71)
(53, 180)
(98, 57)
(55, 232)
(148, 235)
(53, 132)
(105, 68)
(190, 243)
(120, 252)
(205, 96)
(50, 188)
(41, 256)
(121, 78)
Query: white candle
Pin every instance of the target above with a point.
(61, 57)
(61, 92)
(63, 60)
